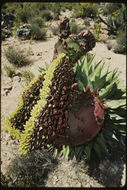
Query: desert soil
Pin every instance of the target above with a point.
(110, 172)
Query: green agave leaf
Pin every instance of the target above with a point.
(78, 72)
(117, 127)
(104, 71)
(116, 116)
(96, 72)
(108, 133)
(91, 64)
(99, 83)
(112, 75)
(101, 142)
(84, 79)
(115, 137)
(55, 152)
(96, 147)
(115, 103)
(72, 153)
(78, 151)
(105, 92)
(121, 111)
(75, 67)
(87, 150)
(66, 152)
(109, 77)
(113, 92)
(81, 86)
(84, 67)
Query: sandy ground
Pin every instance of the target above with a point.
(40, 53)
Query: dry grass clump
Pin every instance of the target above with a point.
(16, 57)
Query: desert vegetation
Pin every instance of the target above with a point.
(112, 15)
(32, 25)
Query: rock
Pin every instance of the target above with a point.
(16, 79)
(6, 33)
(7, 19)
(39, 54)
(111, 44)
(101, 166)
(24, 32)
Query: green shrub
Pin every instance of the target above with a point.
(116, 20)
(16, 57)
(55, 16)
(28, 76)
(65, 6)
(9, 70)
(38, 33)
(74, 28)
(24, 14)
(109, 8)
(56, 9)
(11, 7)
(40, 22)
(46, 14)
(121, 43)
(86, 10)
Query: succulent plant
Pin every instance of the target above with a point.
(80, 104)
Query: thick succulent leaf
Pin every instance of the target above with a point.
(55, 152)
(101, 142)
(78, 151)
(97, 149)
(84, 79)
(88, 149)
(99, 83)
(104, 93)
(65, 151)
(121, 111)
(96, 72)
(116, 116)
(113, 104)
(84, 67)
(81, 86)
(104, 70)
(91, 64)
(108, 133)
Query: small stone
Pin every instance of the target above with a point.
(101, 166)
(16, 79)
(39, 54)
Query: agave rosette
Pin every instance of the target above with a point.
(99, 80)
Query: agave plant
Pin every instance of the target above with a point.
(76, 111)
(105, 99)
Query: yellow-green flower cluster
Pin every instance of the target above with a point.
(44, 93)
(8, 126)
